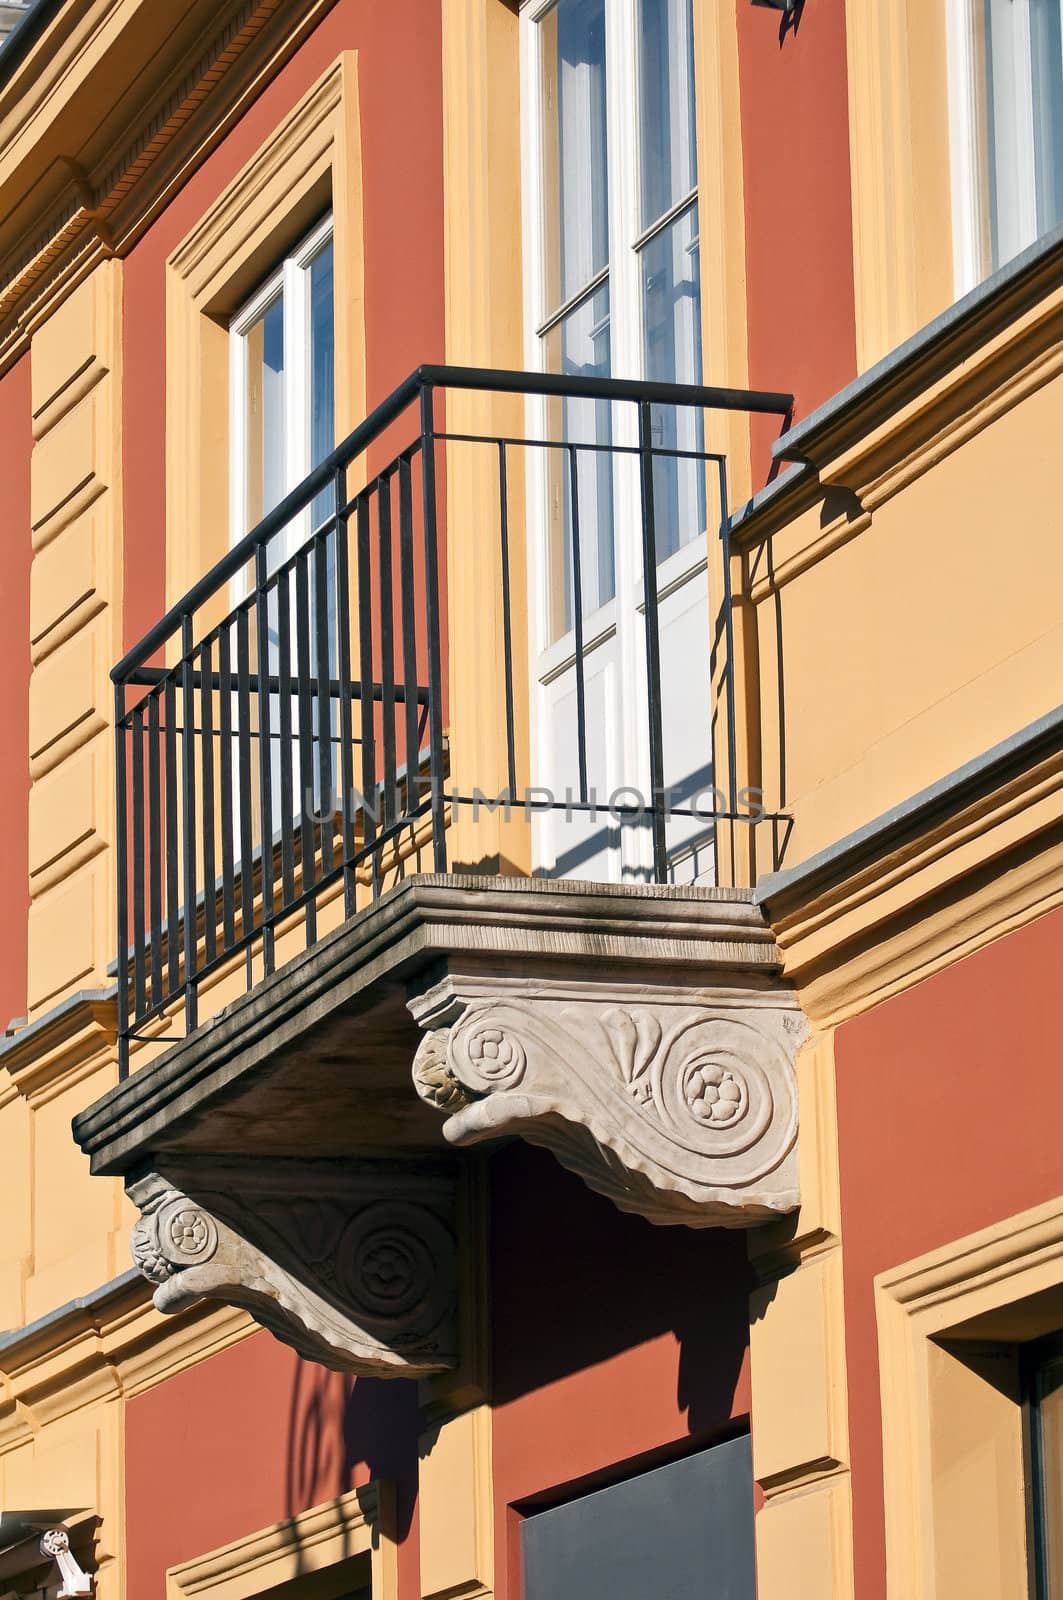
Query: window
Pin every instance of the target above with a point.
(604, 201)
(282, 385)
(678, 1531)
(1007, 103)
(1043, 1369)
(282, 424)
(971, 1372)
(613, 290)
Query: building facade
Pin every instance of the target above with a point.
(531, 821)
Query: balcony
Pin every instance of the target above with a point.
(419, 827)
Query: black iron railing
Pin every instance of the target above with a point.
(282, 733)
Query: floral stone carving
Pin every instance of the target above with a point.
(353, 1265)
(682, 1113)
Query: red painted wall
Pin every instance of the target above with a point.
(249, 1438)
(950, 1101)
(16, 442)
(398, 41)
(615, 1344)
(799, 232)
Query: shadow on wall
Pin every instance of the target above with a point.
(576, 1283)
(344, 1432)
(576, 1286)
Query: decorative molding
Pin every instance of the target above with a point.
(69, 1042)
(681, 1113)
(352, 1264)
(359, 1524)
(965, 861)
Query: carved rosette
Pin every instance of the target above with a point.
(354, 1267)
(680, 1113)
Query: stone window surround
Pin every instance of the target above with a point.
(939, 1316)
(310, 162)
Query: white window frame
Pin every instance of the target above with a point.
(292, 278)
(970, 156)
(549, 660)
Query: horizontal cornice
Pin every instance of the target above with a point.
(108, 1343)
(957, 865)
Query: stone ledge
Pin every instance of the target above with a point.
(372, 963)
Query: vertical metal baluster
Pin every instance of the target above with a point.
(155, 848)
(409, 635)
(188, 817)
(225, 787)
(653, 645)
(432, 613)
(306, 742)
(206, 724)
(173, 884)
(343, 670)
(122, 884)
(729, 679)
(265, 753)
(324, 702)
(284, 704)
(577, 620)
(365, 687)
(140, 934)
(507, 619)
(243, 778)
(387, 650)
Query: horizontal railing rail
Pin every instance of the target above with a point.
(284, 734)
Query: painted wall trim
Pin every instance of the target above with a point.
(74, 1311)
(68, 1012)
(1003, 762)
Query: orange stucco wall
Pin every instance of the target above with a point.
(15, 445)
(949, 1108)
(402, 170)
(799, 233)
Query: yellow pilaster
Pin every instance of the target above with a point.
(797, 1355)
(482, 244)
(75, 589)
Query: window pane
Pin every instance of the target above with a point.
(678, 1532)
(579, 344)
(671, 320)
(265, 412)
(322, 372)
(1046, 54)
(576, 197)
(668, 157)
(1047, 1422)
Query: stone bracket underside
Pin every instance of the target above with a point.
(681, 1112)
(352, 1263)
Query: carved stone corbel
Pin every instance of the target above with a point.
(352, 1264)
(683, 1113)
